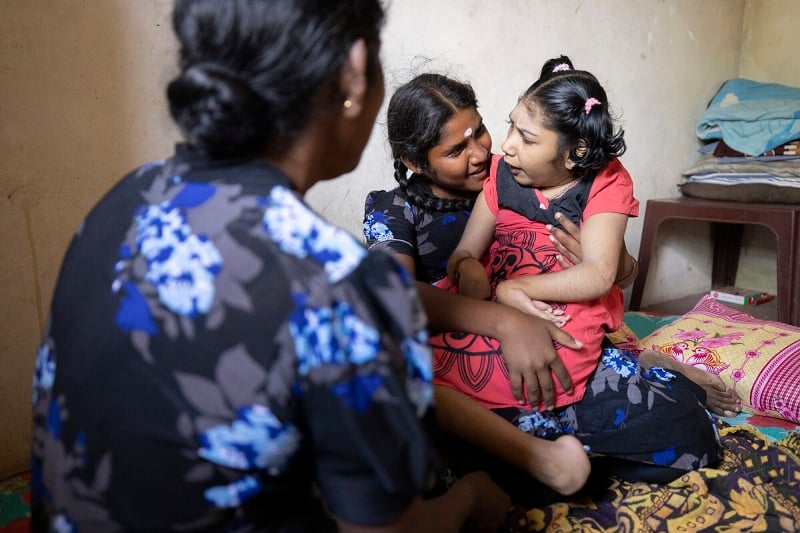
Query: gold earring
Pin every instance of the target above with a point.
(347, 104)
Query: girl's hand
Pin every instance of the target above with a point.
(506, 293)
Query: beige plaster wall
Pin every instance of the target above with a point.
(82, 102)
(768, 55)
(660, 62)
(769, 45)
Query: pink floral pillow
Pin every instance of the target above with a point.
(759, 359)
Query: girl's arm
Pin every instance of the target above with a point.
(568, 243)
(464, 267)
(602, 237)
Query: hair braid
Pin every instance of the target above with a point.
(417, 190)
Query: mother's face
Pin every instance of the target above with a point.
(459, 164)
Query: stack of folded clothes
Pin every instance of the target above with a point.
(752, 134)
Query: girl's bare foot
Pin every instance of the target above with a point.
(720, 400)
(565, 466)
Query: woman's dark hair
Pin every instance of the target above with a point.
(575, 106)
(254, 72)
(418, 110)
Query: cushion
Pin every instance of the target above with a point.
(759, 359)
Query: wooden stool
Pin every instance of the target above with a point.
(727, 220)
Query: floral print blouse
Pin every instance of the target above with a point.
(217, 355)
(392, 223)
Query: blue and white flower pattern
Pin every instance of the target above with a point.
(181, 264)
(232, 495)
(255, 440)
(330, 336)
(545, 425)
(45, 372)
(419, 372)
(658, 373)
(62, 524)
(622, 363)
(376, 228)
(300, 232)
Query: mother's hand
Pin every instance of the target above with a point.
(527, 341)
(530, 356)
(568, 243)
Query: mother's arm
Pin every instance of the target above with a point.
(532, 362)
(527, 341)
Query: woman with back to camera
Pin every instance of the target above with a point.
(230, 355)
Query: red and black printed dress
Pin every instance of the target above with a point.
(617, 408)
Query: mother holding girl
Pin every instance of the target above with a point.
(437, 134)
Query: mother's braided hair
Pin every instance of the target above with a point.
(418, 192)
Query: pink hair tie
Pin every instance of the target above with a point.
(590, 102)
(560, 67)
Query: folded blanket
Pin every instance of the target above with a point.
(707, 164)
(721, 178)
(791, 148)
(752, 117)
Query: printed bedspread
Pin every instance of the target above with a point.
(756, 487)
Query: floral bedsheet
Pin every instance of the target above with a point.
(756, 487)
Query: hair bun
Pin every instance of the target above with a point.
(555, 65)
(217, 110)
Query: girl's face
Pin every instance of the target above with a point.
(531, 150)
(460, 162)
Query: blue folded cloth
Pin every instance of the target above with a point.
(752, 117)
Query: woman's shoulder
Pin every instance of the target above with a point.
(613, 171)
(380, 196)
(393, 203)
(612, 190)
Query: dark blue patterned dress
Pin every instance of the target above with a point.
(217, 355)
(429, 236)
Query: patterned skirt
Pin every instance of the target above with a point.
(638, 424)
(651, 416)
